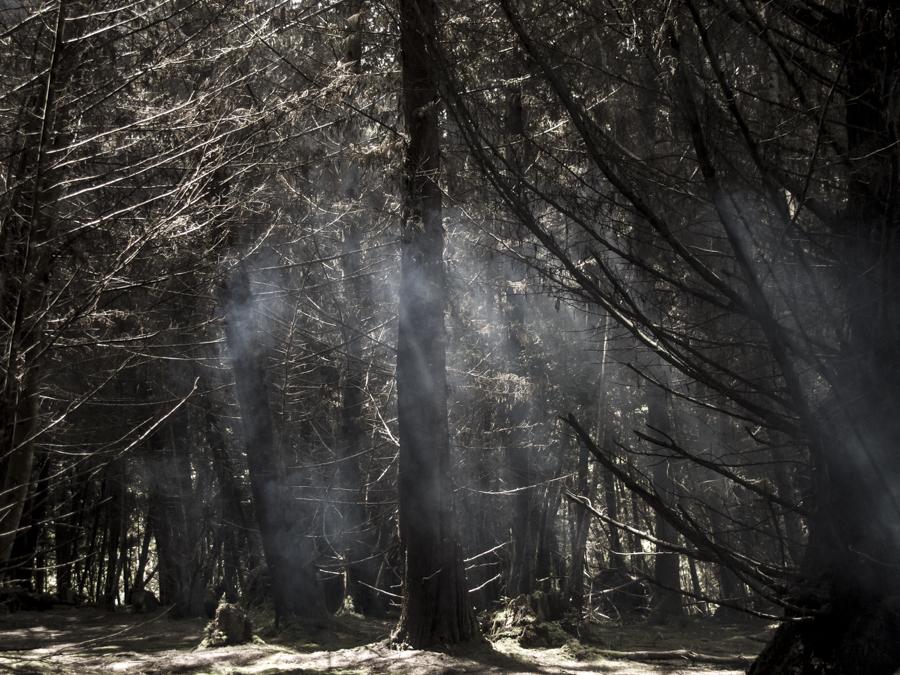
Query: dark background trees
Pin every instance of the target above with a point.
(400, 308)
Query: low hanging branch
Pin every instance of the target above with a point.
(585, 503)
(756, 574)
(670, 444)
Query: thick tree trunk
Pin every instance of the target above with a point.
(436, 607)
(850, 586)
(527, 522)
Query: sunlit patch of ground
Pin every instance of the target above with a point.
(86, 640)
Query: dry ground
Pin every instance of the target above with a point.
(88, 640)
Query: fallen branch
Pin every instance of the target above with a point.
(678, 655)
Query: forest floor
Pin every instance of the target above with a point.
(90, 640)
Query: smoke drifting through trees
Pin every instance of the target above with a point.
(650, 246)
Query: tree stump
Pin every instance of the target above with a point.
(231, 626)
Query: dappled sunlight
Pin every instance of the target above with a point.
(103, 642)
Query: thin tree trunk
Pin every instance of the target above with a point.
(356, 535)
(15, 443)
(65, 538)
(115, 490)
(702, 605)
(23, 289)
(290, 555)
(666, 574)
(575, 582)
(575, 585)
(175, 519)
(235, 524)
(793, 524)
(144, 554)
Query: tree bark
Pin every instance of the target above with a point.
(575, 582)
(290, 555)
(436, 607)
(115, 519)
(575, 585)
(65, 541)
(355, 539)
(850, 586)
(234, 527)
(666, 574)
(14, 440)
(23, 290)
(174, 517)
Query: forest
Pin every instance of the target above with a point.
(566, 324)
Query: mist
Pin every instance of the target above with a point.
(489, 336)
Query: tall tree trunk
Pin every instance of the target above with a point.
(575, 584)
(65, 539)
(525, 526)
(23, 289)
(481, 537)
(115, 513)
(521, 464)
(666, 570)
(235, 524)
(356, 536)
(793, 524)
(575, 581)
(176, 518)
(25, 559)
(436, 607)
(850, 586)
(15, 430)
(290, 555)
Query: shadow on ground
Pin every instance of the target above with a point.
(89, 640)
